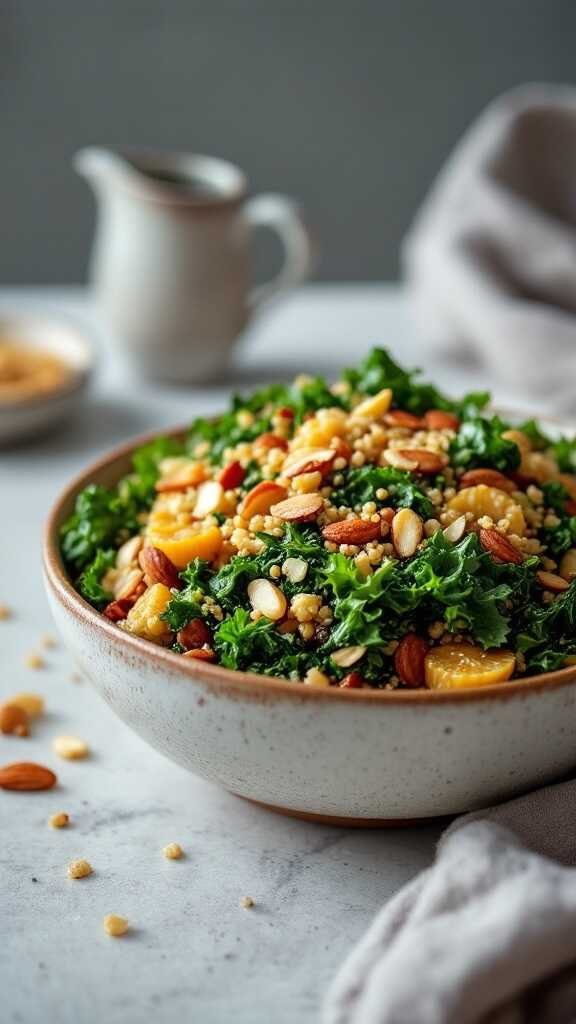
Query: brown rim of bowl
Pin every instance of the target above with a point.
(217, 676)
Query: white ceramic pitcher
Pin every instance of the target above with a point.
(170, 265)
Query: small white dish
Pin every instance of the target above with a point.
(31, 416)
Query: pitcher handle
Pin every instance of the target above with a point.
(283, 216)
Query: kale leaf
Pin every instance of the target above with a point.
(90, 585)
(378, 370)
(360, 485)
(101, 519)
(547, 633)
(479, 442)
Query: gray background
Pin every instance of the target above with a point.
(350, 106)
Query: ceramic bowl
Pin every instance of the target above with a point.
(363, 757)
(33, 416)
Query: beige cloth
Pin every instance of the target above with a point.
(487, 934)
(491, 257)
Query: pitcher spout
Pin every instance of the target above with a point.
(101, 166)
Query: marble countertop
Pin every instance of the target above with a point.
(192, 952)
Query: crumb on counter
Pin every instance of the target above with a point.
(59, 820)
(5, 612)
(71, 748)
(79, 869)
(115, 925)
(31, 703)
(173, 851)
(48, 641)
(246, 902)
(34, 660)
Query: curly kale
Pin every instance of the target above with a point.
(360, 485)
(479, 442)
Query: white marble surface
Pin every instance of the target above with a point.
(192, 953)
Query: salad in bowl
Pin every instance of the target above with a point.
(366, 534)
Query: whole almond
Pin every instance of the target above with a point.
(398, 460)
(568, 565)
(13, 719)
(490, 477)
(409, 659)
(26, 776)
(158, 567)
(407, 420)
(500, 547)
(437, 419)
(428, 463)
(260, 498)
(117, 611)
(195, 634)
(352, 531)
(309, 461)
(550, 581)
(407, 530)
(232, 475)
(298, 509)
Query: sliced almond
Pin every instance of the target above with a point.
(208, 500)
(295, 569)
(267, 599)
(299, 509)
(568, 565)
(550, 581)
(394, 458)
(407, 530)
(260, 498)
(128, 553)
(181, 474)
(426, 462)
(347, 656)
(127, 583)
(308, 460)
(406, 420)
(455, 531)
(374, 407)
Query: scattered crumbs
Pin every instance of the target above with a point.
(5, 612)
(115, 925)
(76, 678)
(246, 902)
(173, 851)
(34, 879)
(71, 748)
(34, 660)
(79, 869)
(48, 641)
(59, 820)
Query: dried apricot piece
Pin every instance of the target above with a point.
(489, 501)
(457, 666)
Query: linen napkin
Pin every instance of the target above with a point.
(490, 259)
(487, 934)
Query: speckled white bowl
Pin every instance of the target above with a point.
(366, 757)
(61, 337)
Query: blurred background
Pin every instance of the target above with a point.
(351, 107)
